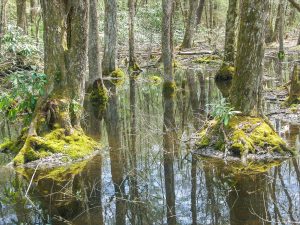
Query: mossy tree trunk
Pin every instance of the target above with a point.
(21, 14)
(226, 71)
(65, 43)
(245, 91)
(230, 34)
(190, 27)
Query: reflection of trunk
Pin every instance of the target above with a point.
(245, 91)
(21, 15)
(294, 94)
(298, 42)
(248, 203)
(211, 200)
(190, 27)
(134, 195)
(277, 24)
(195, 103)
(201, 79)
(194, 190)
(116, 156)
(169, 142)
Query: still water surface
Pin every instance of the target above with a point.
(147, 175)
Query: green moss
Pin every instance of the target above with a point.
(77, 145)
(156, 80)
(207, 59)
(176, 64)
(135, 68)
(99, 97)
(226, 72)
(245, 135)
(169, 89)
(118, 77)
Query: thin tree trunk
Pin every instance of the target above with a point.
(21, 14)
(245, 91)
(277, 24)
(298, 42)
(230, 37)
(33, 15)
(131, 10)
(269, 23)
(2, 19)
(200, 11)
(94, 44)
(281, 29)
(190, 27)
(169, 120)
(110, 37)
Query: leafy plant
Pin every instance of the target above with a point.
(223, 111)
(16, 42)
(20, 96)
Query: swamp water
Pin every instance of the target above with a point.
(148, 173)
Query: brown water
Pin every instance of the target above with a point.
(147, 174)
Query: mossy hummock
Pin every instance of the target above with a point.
(242, 137)
(75, 146)
(225, 73)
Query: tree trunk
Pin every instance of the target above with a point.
(131, 10)
(2, 19)
(65, 60)
(94, 44)
(281, 30)
(269, 23)
(33, 15)
(245, 91)
(21, 14)
(277, 24)
(169, 120)
(229, 50)
(200, 11)
(298, 42)
(110, 37)
(190, 28)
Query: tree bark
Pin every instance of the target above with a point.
(230, 37)
(110, 37)
(245, 91)
(65, 44)
(281, 30)
(21, 14)
(94, 57)
(269, 23)
(200, 11)
(167, 45)
(131, 11)
(2, 19)
(190, 27)
(295, 4)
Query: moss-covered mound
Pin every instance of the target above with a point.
(75, 146)
(243, 138)
(225, 73)
(208, 59)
